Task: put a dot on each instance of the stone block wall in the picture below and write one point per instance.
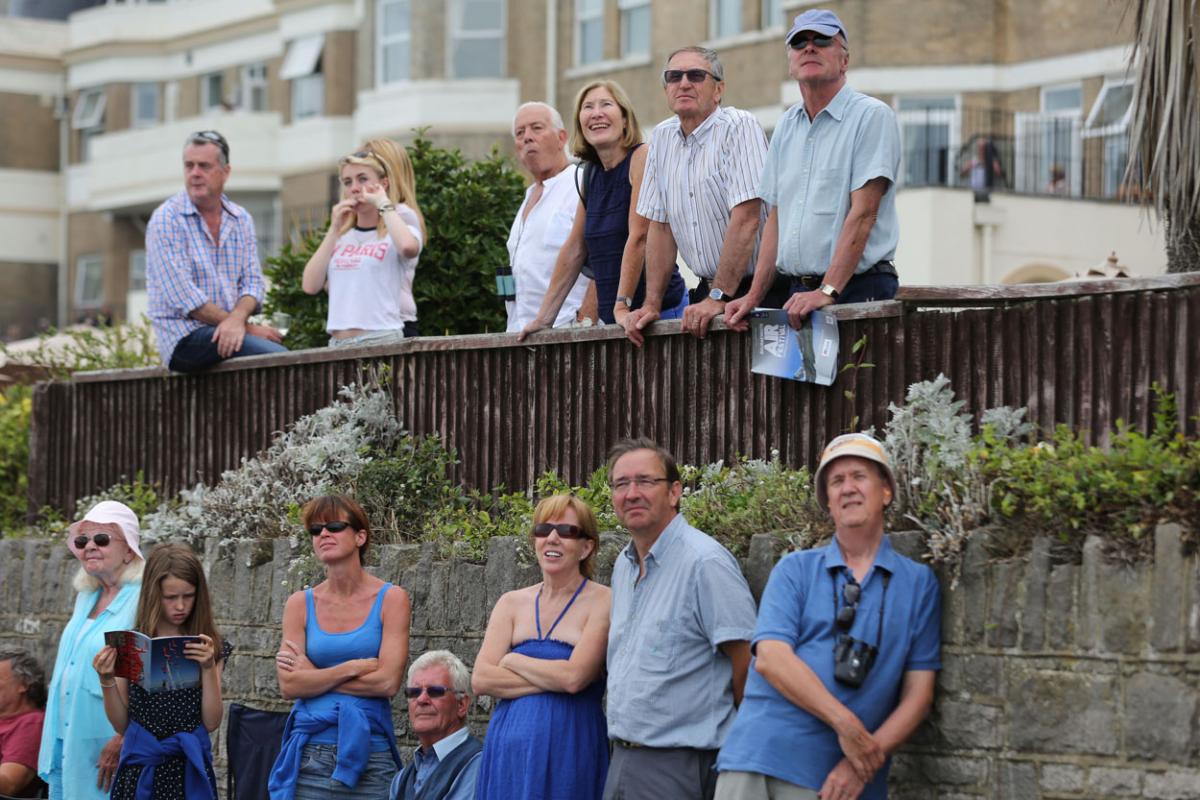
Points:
(1060, 680)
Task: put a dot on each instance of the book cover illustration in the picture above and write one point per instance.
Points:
(157, 665)
(808, 354)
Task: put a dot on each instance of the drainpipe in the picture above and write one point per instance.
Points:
(64, 132)
(552, 52)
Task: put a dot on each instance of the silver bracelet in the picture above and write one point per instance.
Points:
(386, 207)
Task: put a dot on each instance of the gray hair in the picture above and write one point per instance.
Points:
(714, 60)
(555, 118)
(28, 670)
(459, 676)
(214, 138)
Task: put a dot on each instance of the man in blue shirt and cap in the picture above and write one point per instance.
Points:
(830, 177)
(847, 647)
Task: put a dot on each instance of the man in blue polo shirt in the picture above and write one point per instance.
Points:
(847, 648)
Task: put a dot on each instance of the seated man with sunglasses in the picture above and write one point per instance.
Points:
(446, 765)
(830, 177)
(700, 193)
(203, 279)
(847, 647)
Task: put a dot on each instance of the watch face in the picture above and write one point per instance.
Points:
(717, 294)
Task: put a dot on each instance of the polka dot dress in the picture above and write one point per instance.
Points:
(163, 714)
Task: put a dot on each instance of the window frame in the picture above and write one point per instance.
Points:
(82, 264)
(250, 81)
(1090, 129)
(582, 19)
(135, 118)
(454, 35)
(714, 19)
(624, 7)
(84, 117)
(206, 92)
(384, 40)
(951, 118)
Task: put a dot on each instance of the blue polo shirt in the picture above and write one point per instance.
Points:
(813, 166)
(772, 736)
(669, 684)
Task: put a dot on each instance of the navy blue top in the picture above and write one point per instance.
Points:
(605, 230)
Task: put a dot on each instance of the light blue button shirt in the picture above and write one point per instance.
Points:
(811, 169)
(77, 728)
(668, 683)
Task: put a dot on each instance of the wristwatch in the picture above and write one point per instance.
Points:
(830, 292)
(628, 301)
(717, 294)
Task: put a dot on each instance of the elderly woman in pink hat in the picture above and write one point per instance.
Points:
(80, 749)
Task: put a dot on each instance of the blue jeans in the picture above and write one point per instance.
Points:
(677, 311)
(198, 351)
(317, 762)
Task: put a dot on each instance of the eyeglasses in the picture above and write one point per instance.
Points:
(434, 692)
(641, 482)
(336, 526)
(214, 138)
(693, 75)
(565, 530)
(101, 540)
(799, 42)
(851, 592)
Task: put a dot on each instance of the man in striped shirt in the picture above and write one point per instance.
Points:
(700, 193)
(202, 273)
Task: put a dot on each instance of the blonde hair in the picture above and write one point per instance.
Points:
(388, 160)
(580, 147)
(83, 582)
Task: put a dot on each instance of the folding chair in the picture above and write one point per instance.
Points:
(252, 741)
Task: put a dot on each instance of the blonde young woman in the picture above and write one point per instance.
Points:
(369, 255)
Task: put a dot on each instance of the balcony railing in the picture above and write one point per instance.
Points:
(1031, 153)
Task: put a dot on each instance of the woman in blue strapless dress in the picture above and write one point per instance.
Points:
(547, 739)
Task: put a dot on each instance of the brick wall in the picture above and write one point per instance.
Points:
(1062, 679)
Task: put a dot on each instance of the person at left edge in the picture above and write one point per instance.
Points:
(203, 279)
(80, 749)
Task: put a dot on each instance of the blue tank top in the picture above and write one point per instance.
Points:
(605, 230)
(326, 649)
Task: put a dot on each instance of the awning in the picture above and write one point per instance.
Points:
(302, 57)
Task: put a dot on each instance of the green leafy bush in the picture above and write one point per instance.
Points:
(16, 406)
(468, 207)
(124, 346)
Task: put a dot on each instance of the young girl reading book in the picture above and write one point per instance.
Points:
(167, 749)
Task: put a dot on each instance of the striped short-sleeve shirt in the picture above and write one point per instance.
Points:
(185, 268)
(693, 182)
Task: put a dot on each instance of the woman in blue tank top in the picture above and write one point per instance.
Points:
(608, 234)
(543, 656)
(345, 644)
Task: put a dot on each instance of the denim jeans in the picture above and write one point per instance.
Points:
(317, 762)
(198, 351)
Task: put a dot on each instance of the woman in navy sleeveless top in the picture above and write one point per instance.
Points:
(608, 235)
(345, 644)
(543, 656)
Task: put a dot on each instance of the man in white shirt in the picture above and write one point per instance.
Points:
(544, 219)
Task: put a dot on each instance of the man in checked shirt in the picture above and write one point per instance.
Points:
(202, 272)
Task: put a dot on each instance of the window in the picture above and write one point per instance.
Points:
(726, 18)
(137, 271)
(89, 281)
(635, 27)
(772, 13)
(589, 31)
(88, 119)
(254, 87)
(212, 92)
(929, 135)
(394, 60)
(1048, 156)
(476, 45)
(1108, 126)
(302, 66)
(264, 209)
(144, 100)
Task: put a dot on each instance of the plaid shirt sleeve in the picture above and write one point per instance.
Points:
(168, 267)
(250, 279)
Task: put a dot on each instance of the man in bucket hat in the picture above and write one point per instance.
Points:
(847, 647)
(830, 177)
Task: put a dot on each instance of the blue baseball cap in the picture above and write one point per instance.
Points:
(819, 20)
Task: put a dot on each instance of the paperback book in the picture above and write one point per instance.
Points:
(157, 665)
(808, 354)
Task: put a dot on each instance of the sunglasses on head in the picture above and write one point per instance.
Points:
(336, 526)
(565, 530)
(799, 42)
(101, 540)
(693, 75)
(413, 692)
(214, 138)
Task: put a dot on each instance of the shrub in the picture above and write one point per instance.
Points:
(105, 346)
(16, 406)
(468, 207)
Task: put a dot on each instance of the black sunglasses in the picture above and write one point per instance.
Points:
(851, 593)
(693, 75)
(413, 692)
(336, 526)
(799, 42)
(565, 530)
(215, 138)
(101, 540)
